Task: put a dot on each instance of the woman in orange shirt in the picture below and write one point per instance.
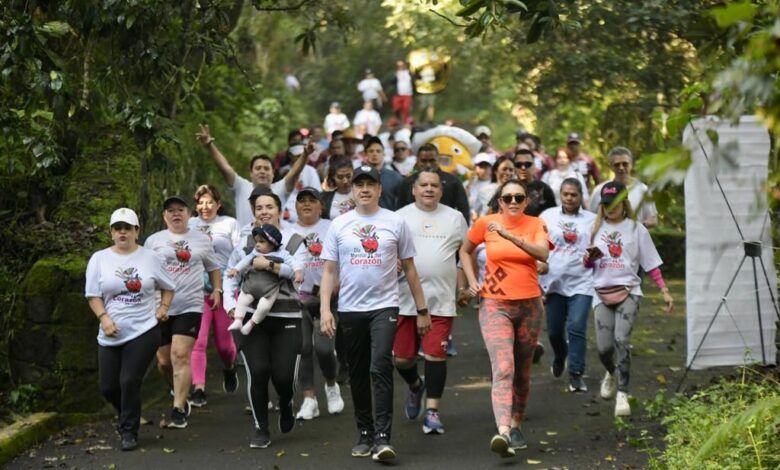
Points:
(511, 310)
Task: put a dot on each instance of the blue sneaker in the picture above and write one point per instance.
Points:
(432, 423)
(414, 400)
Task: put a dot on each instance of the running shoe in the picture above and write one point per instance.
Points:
(286, 417)
(500, 445)
(261, 440)
(558, 366)
(230, 380)
(414, 400)
(198, 398)
(622, 406)
(129, 441)
(451, 350)
(517, 440)
(187, 408)
(335, 402)
(577, 384)
(364, 445)
(178, 419)
(382, 451)
(538, 353)
(309, 409)
(431, 423)
(608, 388)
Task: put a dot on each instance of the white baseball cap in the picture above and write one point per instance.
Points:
(482, 130)
(125, 215)
(483, 157)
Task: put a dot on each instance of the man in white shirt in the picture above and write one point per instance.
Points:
(362, 250)
(621, 161)
(335, 120)
(261, 172)
(438, 232)
(367, 120)
(371, 89)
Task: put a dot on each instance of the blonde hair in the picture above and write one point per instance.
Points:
(602, 212)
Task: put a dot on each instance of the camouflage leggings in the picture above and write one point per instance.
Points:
(510, 329)
(613, 337)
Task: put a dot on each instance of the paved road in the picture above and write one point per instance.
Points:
(564, 430)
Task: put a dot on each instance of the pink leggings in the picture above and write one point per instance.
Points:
(510, 329)
(222, 339)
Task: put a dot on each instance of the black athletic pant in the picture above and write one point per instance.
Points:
(368, 337)
(121, 372)
(313, 343)
(271, 352)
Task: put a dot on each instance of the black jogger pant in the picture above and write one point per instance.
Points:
(368, 338)
(121, 372)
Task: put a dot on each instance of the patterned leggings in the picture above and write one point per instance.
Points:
(510, 329)
(613, 337)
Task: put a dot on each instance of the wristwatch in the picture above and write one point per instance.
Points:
(422, 311)
(271, 265)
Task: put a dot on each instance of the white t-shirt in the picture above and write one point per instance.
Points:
(567, 275)
(128, 285)
(342, 203)
(242, 189)
(405, 167)
(403, 83)
(478, 195)
(555, 177)
(437, 236)
(370, 88)
(309, 177)
(368, 118)
(367, 249)
(185, 257)
(222, 231)
(626, 247)
(231, 284)
(310, 257)
(335, 122)
(637, 193)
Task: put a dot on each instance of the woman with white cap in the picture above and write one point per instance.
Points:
(121, 283)
(186, 254)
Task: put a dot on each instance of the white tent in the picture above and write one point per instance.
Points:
(714, 246)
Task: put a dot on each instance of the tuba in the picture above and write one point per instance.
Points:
(430, 70)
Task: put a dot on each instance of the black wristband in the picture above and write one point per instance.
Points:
(422, 311)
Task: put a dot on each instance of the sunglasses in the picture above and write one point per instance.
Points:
(508, 198)
(524, 165)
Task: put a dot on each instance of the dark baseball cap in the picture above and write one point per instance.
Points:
(171, 199)
(365, 170)
(310, 191)
(574, 137)
(610, 192)
(270, 233)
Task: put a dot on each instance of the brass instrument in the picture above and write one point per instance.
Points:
(430, 70)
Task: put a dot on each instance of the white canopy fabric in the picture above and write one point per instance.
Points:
(714, 247)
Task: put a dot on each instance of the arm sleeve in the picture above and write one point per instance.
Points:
(292, 262)
(92, 284)
(405, 242)
(542, 233)
(649, 258)
(235, 233)
(210, 258)
(476, 234)
(243, 265)
(657, 277)
(162, 278)
(330, 249)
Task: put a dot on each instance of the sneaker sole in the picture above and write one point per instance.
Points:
(258, 446)
(500, 447)
(383, 455)
(176, 426)
(577, 390)
(361, 454)
(428, 430)
(198, 404)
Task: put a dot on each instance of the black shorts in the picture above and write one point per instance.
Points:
(185, 324)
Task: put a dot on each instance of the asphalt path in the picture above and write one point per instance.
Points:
(564, 430)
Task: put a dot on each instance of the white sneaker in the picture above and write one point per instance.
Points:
(608, 386)
(335, 402)
(622, 407)
(309, 409)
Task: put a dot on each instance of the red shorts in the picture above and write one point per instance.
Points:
(402, 104)
(407, 342)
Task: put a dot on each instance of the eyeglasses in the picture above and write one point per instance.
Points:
(621, 164)
(518, 198)
(524, 165)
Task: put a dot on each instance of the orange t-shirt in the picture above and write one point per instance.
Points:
(510, 273)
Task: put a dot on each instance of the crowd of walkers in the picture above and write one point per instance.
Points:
(357, 249)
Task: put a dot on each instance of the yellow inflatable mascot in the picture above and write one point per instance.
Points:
(456, 148)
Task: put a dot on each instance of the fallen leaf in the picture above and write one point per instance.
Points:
(544, 443)
(533, 462)
(551, 433)
(610, 458)
(168, 450)
(111, 466)
(304, 454)
(280, 453)
(661, 379)
(675, 369)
